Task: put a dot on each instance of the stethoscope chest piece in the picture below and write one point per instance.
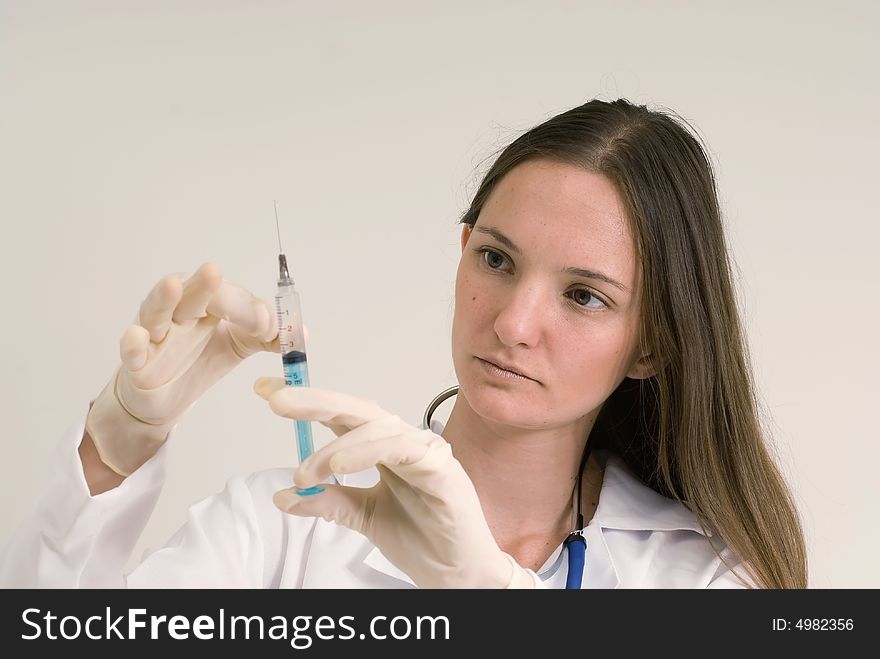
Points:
(577, 551)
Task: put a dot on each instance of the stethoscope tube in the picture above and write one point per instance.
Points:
(575, 543)
(434, 404)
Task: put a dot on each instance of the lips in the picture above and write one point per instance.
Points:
(507, 367)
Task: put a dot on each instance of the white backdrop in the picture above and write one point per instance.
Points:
(142, 138)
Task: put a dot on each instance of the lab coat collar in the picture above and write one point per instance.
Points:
(625, 504)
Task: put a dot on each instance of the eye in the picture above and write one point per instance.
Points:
(582, 296)
(491, 258)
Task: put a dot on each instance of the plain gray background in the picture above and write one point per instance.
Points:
(142, 138)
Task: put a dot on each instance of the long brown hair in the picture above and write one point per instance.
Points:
(692, 431)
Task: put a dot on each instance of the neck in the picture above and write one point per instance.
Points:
(526, 478)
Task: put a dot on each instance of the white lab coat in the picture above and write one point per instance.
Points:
(237, 538)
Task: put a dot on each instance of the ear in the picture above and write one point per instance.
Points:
(465, 234)
(644, 367)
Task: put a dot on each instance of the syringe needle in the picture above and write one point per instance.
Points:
(283, 273)
(277, 227)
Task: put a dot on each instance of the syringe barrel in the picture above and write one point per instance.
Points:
(290, 325)
(293, 357)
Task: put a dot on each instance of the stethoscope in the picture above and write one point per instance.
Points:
(575, 542)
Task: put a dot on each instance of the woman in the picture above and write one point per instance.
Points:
(604, 400)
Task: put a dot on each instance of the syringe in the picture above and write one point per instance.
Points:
(293, 350)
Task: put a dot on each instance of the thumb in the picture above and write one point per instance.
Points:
(337, 503)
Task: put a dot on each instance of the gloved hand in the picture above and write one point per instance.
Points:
(423, 514)
(187, 335)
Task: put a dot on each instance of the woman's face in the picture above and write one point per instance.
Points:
(548, 286)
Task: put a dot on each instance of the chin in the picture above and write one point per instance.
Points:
(507, 407)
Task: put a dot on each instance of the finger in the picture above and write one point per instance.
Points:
(155, 311)
(240, 307)
(266, 386)
(321, 405)
(320, 465)
(275, 344)
(337, 503)
(134, 347)
(198, 291)
(392, 452)
(420, 460)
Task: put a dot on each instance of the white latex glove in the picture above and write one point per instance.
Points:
(423, 514)
(187, 335)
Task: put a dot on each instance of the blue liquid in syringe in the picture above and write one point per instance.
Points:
(296, 374)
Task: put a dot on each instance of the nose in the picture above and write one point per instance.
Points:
(522, 315)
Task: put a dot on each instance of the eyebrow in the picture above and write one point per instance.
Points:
(580, 272)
